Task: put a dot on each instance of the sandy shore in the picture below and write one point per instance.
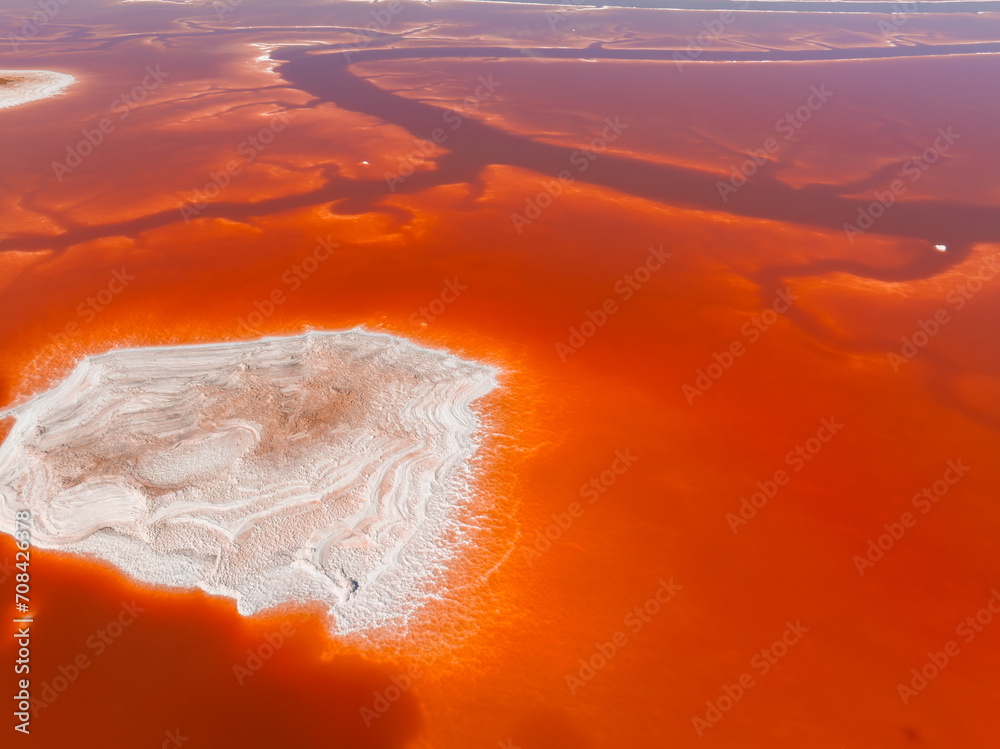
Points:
(21, 86)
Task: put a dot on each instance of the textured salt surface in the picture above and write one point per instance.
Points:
(31, 85)
(324, 467)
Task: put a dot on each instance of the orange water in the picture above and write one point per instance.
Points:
(501, 662)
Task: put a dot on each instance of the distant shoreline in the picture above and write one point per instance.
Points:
(23, 86)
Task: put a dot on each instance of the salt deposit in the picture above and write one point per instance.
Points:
(21, 86)
(324, 467)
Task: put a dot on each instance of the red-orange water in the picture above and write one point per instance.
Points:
(570, 561)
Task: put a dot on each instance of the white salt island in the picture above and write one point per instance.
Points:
(325, 467)
(21, 86)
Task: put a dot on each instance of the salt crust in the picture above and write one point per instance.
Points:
(325, 467)
(31, 85)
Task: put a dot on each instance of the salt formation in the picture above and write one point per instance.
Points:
(22, 86)
(323, 467)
